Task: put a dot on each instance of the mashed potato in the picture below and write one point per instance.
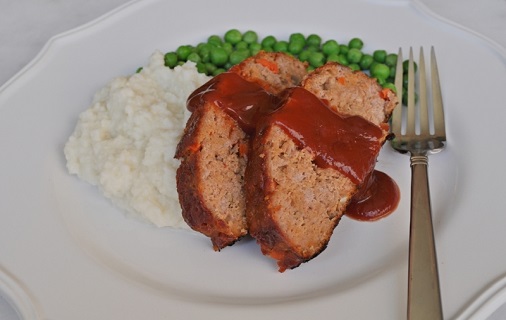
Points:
(125, 142)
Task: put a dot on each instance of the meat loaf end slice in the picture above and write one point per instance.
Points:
(351, 92)
(210, 177)
(274, 71)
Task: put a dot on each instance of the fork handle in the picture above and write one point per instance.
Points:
(424, 297)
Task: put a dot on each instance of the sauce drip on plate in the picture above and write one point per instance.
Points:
(376, 199)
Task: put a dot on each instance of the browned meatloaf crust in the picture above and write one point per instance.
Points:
(292, 204)
(209, 179)
(213, 154)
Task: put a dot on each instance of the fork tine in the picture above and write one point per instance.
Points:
(424, 295)
(424, 113)
(397, 113)
(437, 99)
(411, 124)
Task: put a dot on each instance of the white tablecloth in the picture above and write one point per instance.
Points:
(26, 25)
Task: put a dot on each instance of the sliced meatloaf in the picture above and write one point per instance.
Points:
(351, 92)
(293, 205)
(296, 192)
(274, 71)
(214, 147)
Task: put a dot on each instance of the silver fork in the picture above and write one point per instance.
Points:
(413, 134)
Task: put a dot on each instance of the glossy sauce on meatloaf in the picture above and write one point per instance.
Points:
(349, 145)
(243, 100)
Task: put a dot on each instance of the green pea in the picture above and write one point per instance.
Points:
(341, 59)
(254, 48)
(391, 86)
(200, 45)
(201, 67)
(214, 40)
(203, 47)
(392, 72)
(313, 48)
(354, 66)
(219, 56)
(354, 55)
(366, 61)
(233, 36)
(183, 52)
(372, 65)
(405, 96)
(281, 46)
(380, 56)
(380, 81)
(304, 55)
(268, 49)
(297, 37)
(333, 57)
(356, 43)
(380, 71)
(228, 47)
(138, 70)
(314, 40)
(343, 49)
(316, 59)
(391, 60)
(210, 68)
(170, 59)
(242, 45)
(238, 56)
(295, 47)
(218, 71)
(250, 37)
(268, 42)
(206, 57)
(330, 47)
(204, 52)
(194, 57)
(405, 65)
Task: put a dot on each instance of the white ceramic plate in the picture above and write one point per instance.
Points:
(68, 253)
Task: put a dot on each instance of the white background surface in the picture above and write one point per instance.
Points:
(26, 25)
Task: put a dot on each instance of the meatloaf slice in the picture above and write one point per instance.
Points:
(351, 92)
(274, 71)
(210, 177)
(213, 148)
(293, 205)
(293, 201)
